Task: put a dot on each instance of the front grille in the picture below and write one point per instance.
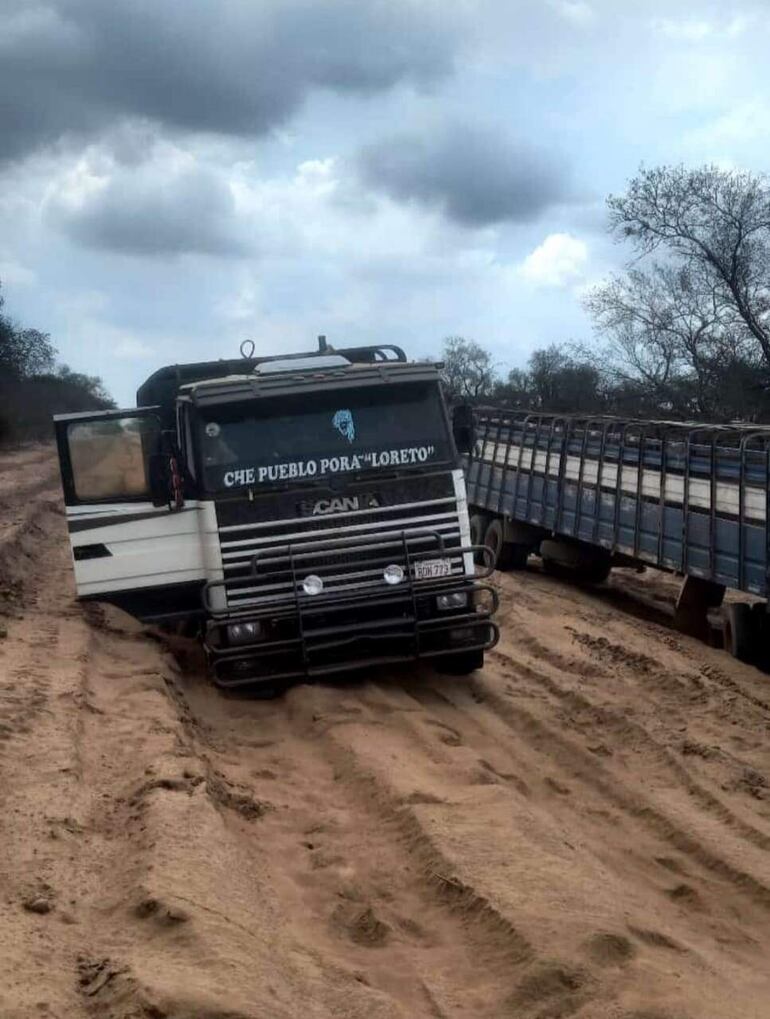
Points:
(264, 560)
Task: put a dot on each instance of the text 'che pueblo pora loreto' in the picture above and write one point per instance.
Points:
(322, 466)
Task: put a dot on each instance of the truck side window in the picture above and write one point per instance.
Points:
(109, 458)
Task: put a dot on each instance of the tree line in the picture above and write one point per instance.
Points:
(34, 387)
(683, 333)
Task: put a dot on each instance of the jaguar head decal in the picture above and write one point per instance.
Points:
(343, 422)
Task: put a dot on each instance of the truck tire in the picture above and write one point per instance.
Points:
(507, 555)
(462, 663)
(740, 631)
(478, 524)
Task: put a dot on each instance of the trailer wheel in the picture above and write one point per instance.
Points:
(740, 631)
(507, 555)
(462, 663)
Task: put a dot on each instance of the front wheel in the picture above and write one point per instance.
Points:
(478, 527)
(462, 663)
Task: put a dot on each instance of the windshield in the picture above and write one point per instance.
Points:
(308, 436)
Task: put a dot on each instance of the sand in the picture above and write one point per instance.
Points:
(582, 829)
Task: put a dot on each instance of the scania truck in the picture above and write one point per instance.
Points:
(305, 514)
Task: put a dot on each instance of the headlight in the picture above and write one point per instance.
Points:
(393, 574)
(312, 584)
(455, 600)
(244, 633)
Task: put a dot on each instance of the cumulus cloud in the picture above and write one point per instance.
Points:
(167, 204)
(559, 261)
(476, 175)
(233, 67)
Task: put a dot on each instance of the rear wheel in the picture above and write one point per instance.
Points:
(740, 631)
(462, 663)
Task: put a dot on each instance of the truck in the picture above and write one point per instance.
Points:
(304, 514)
(591, 493)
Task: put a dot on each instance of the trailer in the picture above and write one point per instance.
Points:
(588, 494)
(304, 514)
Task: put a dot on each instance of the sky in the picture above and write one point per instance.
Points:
(177, 176)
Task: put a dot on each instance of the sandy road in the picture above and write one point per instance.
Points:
(583, 829)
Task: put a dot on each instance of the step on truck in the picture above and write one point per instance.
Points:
(587, 494)
(305, 514)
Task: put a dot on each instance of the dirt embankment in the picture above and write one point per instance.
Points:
(581, 830)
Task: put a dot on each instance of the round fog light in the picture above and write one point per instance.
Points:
(312, 584)
(393, 574)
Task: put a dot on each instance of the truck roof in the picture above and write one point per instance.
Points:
(235, 388)
(232, 379)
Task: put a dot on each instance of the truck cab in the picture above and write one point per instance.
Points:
(306, 514)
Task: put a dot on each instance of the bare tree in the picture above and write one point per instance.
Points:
(715, 224)
(469, 373)
(683, 326)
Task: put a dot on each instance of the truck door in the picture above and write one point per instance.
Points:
(128, 526)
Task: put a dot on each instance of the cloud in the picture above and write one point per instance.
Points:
(577, 12)
(559, 261)
(743, 123)
(233, 67)
(13, 273)
(476, 175)
(696, 30)
(167, 204)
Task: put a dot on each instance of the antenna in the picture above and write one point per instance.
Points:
(250, 346)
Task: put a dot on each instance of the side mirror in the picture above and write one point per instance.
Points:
(165, 481)
(463, 428)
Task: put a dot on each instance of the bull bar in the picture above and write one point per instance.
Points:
(353, 626)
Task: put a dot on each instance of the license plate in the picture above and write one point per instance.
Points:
(428, 569)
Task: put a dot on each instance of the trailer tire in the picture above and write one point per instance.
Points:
(507, 555)
(740, 631)
(462, 663)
